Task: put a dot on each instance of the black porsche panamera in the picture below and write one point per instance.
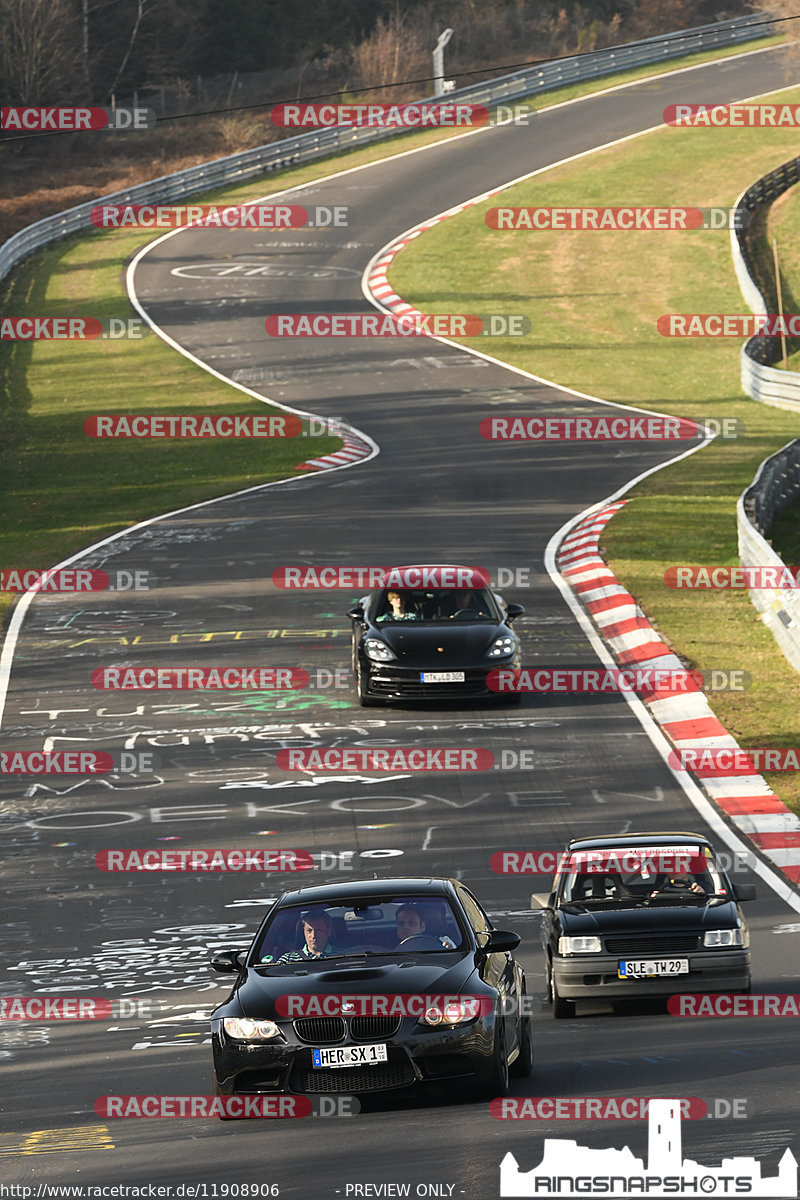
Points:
(335, 995)
(438, 640)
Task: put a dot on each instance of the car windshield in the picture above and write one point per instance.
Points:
(436, 605)
(642, 874)
(396, 925)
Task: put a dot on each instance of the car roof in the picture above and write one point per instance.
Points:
(334, 893)
(620, 841)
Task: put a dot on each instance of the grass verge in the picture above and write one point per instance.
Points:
(63, 491)
(593, 319)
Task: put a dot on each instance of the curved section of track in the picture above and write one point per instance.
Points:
(437, 491)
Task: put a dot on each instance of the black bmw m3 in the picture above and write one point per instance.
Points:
(371, 986)
(437, 633)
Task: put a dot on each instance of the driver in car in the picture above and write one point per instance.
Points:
(675, 884)
(411, 923)
(318, 932)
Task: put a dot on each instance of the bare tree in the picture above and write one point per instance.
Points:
(39, 51)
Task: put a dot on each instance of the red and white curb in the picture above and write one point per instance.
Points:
(354, 448)
(687, 720)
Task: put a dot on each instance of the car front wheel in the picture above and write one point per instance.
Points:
(496, 1082)
(561, 1008)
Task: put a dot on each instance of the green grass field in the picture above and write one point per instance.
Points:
(593, 299)
(63, 491)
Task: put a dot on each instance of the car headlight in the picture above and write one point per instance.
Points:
(724, 939)
(377, 650)
(244, 1029)
(454, 1013)
(579, 945)
(504, 646)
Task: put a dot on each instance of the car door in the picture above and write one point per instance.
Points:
(496, 969)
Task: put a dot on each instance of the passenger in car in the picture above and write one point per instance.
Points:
(395, 609)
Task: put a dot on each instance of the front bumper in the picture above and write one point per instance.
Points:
(596, 975)
(388, 681)
(415, 1055)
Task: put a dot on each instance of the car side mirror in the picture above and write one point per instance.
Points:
(543, 900)
(356, 613)
(229, 962)
(745, 891)
(500, 940)
(514, 610)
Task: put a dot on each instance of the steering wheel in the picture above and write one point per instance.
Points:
(421, 940)
(463, 612)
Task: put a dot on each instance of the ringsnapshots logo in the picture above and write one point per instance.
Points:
(642, 217)
(215, 216)
(568, 1169)
(69, 119)
(387, 325)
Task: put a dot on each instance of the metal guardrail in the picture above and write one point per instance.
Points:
(250, 164)
(776, 485)
(760, 379)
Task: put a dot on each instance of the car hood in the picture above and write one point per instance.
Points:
(258, 992)
(439, 643)
(665, 918)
